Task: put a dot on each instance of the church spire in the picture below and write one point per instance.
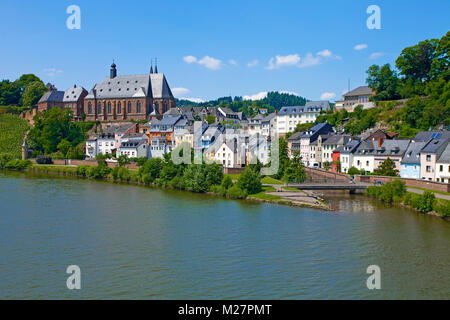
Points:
(151, 66)
(156, 65)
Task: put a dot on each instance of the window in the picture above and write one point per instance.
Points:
(138, 107)
(99, 107)
(89, 107)
(428, 157)
(119, 107)
(428, 168)
(129, 107)
(109, 107)
(441, 168)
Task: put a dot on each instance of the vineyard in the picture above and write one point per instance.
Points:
(12, 129)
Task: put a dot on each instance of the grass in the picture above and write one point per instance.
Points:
(234, 176)
(293, 189)
(263, 196)
(439, 192)
(270, 180)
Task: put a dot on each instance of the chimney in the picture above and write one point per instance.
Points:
(380, 142)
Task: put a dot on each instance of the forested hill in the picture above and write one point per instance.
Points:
(274, 101)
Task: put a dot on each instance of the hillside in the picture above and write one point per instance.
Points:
(12, 130)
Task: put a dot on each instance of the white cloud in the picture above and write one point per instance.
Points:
(210, 62)
(253, 63)
(179, 91)
(257, 96)
(233, 62)
(261, 95)
(324, 53)
(328, 96)
(189, 59)
(361, 46)
(283, 61)
(309, 61)
(52, 72)
(197, 100)
(376, 55)
(295, 60)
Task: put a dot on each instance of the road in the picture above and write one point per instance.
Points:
(438, 195)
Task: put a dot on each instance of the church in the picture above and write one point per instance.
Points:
(130, 97)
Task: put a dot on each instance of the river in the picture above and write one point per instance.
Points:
(137, 242)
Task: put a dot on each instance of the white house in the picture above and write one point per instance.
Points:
(102, 143)
(364, 156)
(289, 117)
(133, 148)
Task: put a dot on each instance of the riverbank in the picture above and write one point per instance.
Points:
(268, 194)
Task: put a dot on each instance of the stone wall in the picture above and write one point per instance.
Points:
(319, 175)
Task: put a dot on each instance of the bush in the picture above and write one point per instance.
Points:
(177, 183)
(41, 159)
(98, 172)
(82, 170)
(4, 159)
(18, 164)
(390, 192)
(220, 190)
(426, 203)
(235, 192)
(442, 207)
(353, 171)
(250, 181)
(227, 182)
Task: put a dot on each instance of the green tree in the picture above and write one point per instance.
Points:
(33, 92)
(415, 62)
(384, 82)
(294, 171)
(387, 168)
(250, 181)
(441, 63)
(210, 119)
(64, 146)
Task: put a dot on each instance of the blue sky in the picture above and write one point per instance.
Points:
(209, 49)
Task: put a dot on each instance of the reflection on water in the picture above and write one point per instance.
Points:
(136, 242)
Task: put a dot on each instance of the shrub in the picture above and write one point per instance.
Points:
(250, 181)
(227, 182)
(442, 207)
(352, 171)
(82, 170)
(41, 159)
(390, 192)
(221, 190)
(18, 164)
(426, 203)
(98, 172)
(4, 159)
(235, 192)
(177, 183)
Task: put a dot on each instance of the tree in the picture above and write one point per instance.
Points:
(282, 157)
(384, 82)
(151, 169)
(294, 171)
(415, 62)
(441, 63)
(250, 181)
(64, 146)
(210, 119)
(387, 168)
(123, 160)
(326, 165)
(33, 92)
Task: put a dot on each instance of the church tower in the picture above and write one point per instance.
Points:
(24, 149)
(113, 71)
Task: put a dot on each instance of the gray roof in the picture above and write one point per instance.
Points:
(141, 85)
(445, 155)
(291, 110)
(350, 146)
(52, 96)
(73, 94)
(132, 143)
(269, 117)
(337, 139)
(412, 154)
(435, 146)
(360, 91)
(388, 148)
(427, 135)
(322, 105)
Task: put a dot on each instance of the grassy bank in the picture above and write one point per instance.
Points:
(395, 193)
(124, 175)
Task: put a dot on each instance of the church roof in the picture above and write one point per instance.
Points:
(132, 86)
(52, 96)
(73, 94)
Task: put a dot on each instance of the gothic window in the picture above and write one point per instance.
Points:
(119, 107)
(99, 107)
(109, 107)
(89, 107)
(138, 107)
(129, 107)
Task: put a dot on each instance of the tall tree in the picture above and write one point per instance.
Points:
(384, 81)
(33, 92)
(415, 62)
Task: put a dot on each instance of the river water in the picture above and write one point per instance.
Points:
(137, 242)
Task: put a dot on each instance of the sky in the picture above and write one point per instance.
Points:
(211, 49)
